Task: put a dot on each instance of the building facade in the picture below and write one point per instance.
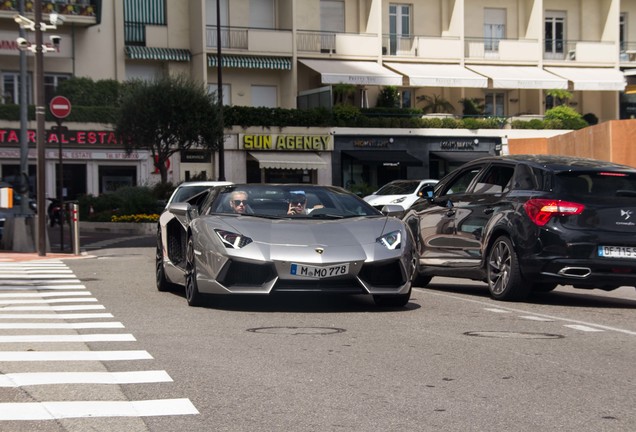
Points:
(508, 56)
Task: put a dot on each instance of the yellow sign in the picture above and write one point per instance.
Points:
(287, 142)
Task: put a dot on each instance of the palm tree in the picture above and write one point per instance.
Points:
(435, 104)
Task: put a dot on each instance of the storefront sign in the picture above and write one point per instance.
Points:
(196, 156)
(461, 145)
(286, 142)
(12, 136)
(372, 143)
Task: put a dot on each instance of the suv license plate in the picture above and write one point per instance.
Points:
(319, 272)
(617, 252)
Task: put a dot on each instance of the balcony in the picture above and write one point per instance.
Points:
(504, 50)
(427, 47)
(78, 12)
(558, 50)
(253, 40)
(345, 44)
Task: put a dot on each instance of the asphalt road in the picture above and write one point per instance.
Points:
(452, 360)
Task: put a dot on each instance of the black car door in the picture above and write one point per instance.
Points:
(433, 223)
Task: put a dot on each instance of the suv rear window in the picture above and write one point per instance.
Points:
(597, 184)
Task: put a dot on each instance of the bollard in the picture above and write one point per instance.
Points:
(75, 228)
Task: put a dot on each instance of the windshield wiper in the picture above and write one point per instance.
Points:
(626, 193)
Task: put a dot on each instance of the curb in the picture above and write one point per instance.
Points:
(143, 228)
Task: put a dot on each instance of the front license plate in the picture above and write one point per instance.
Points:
(617, 252)
(319, 272)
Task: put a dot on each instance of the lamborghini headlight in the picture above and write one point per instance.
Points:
(232, 240)
(392, 240)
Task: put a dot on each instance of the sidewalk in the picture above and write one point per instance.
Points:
(34, 256)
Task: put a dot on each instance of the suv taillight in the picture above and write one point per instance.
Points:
(541, 211)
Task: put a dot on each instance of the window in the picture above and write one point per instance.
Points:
(264, 96)
(50, 85)
(554, 34)
(332, 13)
(494, 28)
(494, 104)
(11, 88)
(399, 28)
(226, 90)
(622, 31)
(495, 180)
(210, 19)
(145, 72)
(460, 183)
(262, 14)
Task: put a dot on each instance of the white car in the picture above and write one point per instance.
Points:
(398, 192)
(189, 189)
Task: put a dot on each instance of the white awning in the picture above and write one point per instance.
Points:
(288, 160)
(439, 75)
(521, 77)
(591, 78)
(353, 72)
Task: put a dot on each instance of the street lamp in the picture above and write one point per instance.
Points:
(39, 49)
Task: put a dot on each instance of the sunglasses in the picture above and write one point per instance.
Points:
(239, 202)
(297, 201)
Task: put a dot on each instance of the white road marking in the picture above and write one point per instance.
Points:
(46, 294)
(56, 316)
(116, 337)
(42, 378)
(79, 409)
(33, 287)
(57, 326)
(48, 301)
(20, 356)
(30, 276)
(52, 308)
(496, 310)
(33, 271)
(583, 328)
(536, 318)
(520, 311)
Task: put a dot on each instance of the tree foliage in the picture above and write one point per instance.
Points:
(435, 104)
(168, 115)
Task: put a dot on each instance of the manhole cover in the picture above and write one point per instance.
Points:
(297, 330)
(513, 335)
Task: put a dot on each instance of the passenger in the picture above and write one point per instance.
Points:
(297, 202)
(238, 202)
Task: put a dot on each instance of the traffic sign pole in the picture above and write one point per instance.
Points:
(60, 108)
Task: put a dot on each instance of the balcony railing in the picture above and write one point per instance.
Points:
(501, 49)
(231, 37)
(315, 41)
(580, 51)
(64, 7)
(399, 45)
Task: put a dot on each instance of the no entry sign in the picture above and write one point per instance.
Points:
(60, 107)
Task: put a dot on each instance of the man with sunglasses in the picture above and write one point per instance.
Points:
(238, 202)
(297, 202)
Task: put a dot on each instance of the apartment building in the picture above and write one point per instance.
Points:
(507, 55)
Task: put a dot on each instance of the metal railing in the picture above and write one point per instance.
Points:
(315, 41)
(231, 37)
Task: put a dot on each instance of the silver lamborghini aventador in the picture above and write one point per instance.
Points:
(266, 238)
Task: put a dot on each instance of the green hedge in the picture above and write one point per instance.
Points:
(341, 116)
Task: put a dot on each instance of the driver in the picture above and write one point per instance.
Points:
(297, 203)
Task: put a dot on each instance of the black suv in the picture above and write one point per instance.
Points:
(529, 222)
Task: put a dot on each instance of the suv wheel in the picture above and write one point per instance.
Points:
(505, 281)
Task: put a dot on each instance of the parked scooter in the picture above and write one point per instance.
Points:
(54, 212)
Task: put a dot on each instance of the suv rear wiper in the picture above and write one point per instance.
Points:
(626, 193)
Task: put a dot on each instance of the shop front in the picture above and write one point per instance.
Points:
(286, 158)
(91, 162)
(364, 163)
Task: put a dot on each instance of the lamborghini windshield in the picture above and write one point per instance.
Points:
(304, 201)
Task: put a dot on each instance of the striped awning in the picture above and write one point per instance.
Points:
(251, 62)
(163, 54)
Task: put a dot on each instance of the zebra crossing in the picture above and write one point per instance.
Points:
(43, 307)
